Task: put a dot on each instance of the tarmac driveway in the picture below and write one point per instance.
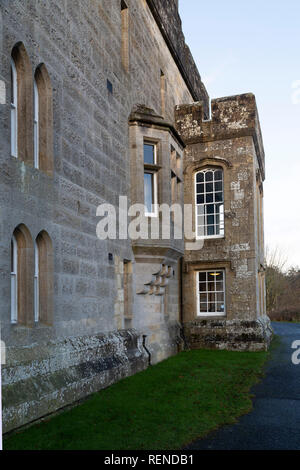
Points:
(274, 422)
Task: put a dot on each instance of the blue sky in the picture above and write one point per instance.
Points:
(254, 47)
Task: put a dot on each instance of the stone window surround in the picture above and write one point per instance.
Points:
(190, 173)
(221, 235)
(210, 314)
(34, 121)
(25, 103)
(31, 278)
(192, 268)
(162, 136)
(154, 170)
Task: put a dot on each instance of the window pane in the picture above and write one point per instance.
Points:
(210, 219)
(209, 176)
(200, 178)
(219, 186)
(200, 188)
(219, 275)
(12, 257)
(218, 175)
(209, 198)
(209, 187)
(203, 308)
(211, 231)
(148, 191)
(220, 308)
(200, 199)
(203, 298)
(12, 85)
(210, 209)
(219, 286)
(202, 277)
(149, 154)
(202, 286)
(219, 197)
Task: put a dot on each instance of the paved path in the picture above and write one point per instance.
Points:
(274, 422)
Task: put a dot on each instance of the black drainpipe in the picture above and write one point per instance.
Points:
(146, 349)
(181, 304)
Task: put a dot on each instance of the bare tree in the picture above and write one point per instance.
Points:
(275, 279)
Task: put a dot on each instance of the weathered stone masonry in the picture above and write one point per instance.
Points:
(230, 140)
(111, 75)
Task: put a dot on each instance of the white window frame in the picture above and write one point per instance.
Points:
(210, 314)
(36, 125)
(14, 111)
(200, 213)
(36, 282)
(14, 282)
(154, 172)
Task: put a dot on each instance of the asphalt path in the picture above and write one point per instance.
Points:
(274, 422)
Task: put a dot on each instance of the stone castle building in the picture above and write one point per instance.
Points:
(102, 99)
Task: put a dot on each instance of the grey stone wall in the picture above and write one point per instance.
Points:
(80, 44)
(168, 19)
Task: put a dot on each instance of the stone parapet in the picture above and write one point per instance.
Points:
(231, 117)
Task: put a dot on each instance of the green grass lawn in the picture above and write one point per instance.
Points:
(164, 407)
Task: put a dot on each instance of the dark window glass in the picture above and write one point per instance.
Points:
(219, 186)
(209, 187)
(12, 85)
(210, 220)
(209, 176)
(200, 188)
(209, 198)
(200, 178)
(220, 297)
(12, 257)
(109, 86)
